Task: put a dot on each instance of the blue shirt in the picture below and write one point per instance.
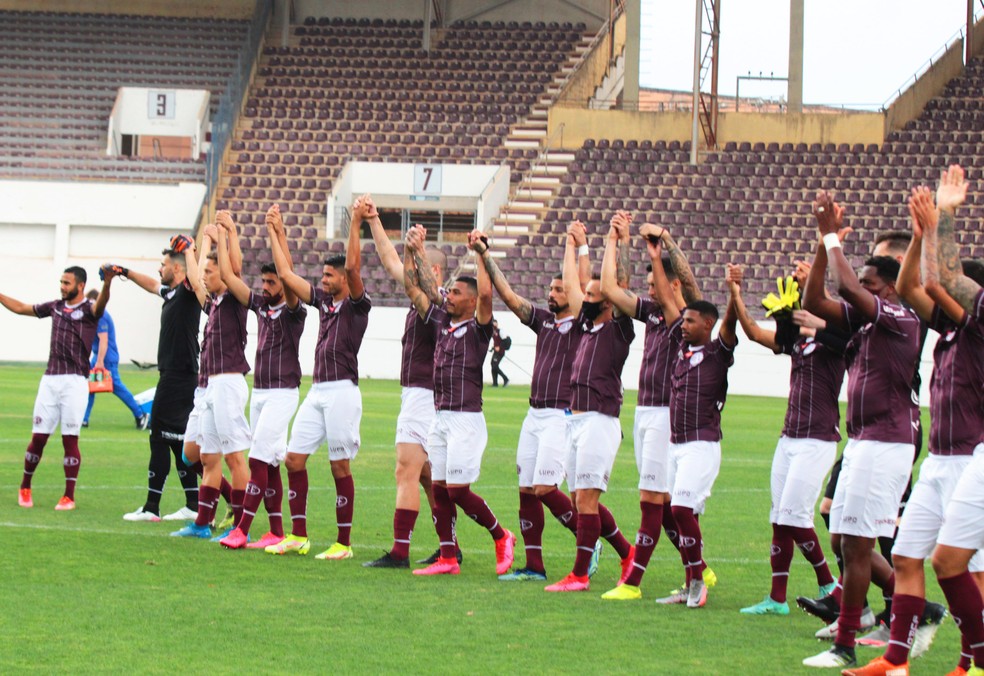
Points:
(112, 354)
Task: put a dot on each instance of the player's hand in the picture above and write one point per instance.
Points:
(622, 220)
(922, 210)
(801, 272)
(223, 219)
(478, 242)
(830, 215)
(370, 206)
(360, 210)
(109, 270)
(212, 232)
(274, 221)
(416, 235)
(578, 232)
(952, 190)
(808, 320)
(182, 243)
(651, 232)
(735, 274)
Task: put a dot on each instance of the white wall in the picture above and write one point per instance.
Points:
(187, 116)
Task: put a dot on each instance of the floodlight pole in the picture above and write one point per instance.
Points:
(794, 86)
(969, 40)
(698, 39)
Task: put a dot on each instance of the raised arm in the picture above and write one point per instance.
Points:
(751, 328)
(688, 285)
(353, 257)
(572, 282)
(653, 234)
(237, 287)
(99, 307)
(275, 230)
(583, 258)
(727, 332)
(520, 307)
(223, 219)
(16, 306)
(384, 247)
(908, 284)
(195, 266)
(815, 299)
(483, 311)
(623, 264)
(951, 193)
(145, 282)
(830, 218)
(292, 282)
(411, 280)
(611, 287)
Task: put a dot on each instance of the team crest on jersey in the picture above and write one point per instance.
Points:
(809, 348)
(696, 358)
(273, 314)
(76, 315)
(950, 335)
(656, 320)
(564, 328)
(459, 332)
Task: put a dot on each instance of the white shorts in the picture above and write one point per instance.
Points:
(542, 449)
(193, 426)
(594, 441)
(331, 412)
(651, 434)
(416, 416)
(963, 522)
(223, 426)
(694, 466)
(455, 446)
(872, 480)
(799, 467)
(61, 400)
(270, 412)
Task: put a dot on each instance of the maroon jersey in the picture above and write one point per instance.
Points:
(956, 389)
(417, 364)
(657, 355)
(699, 388)
(556, 343)
(815, 380)
(458, 357)
(279, 334)
(73, 328)
(881, 358)
(340, 333)
(596, 379)
(224, 345)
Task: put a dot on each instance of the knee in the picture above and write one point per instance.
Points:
(946, 564)
(857, 549)
(295, 463)
(340, 469)
(906, 567)
(540, 491)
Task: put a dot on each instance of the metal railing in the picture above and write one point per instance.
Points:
(230, 102)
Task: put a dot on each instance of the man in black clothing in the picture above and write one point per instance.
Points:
(500, 344)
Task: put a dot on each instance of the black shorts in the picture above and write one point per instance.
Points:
(173, 401)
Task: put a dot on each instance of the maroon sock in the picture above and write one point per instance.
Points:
(780, 558)
(238, 497)
(531, 526)
(610, 531)
(848, 624)
(474, 506)
(444, 521)
(297, 491)
(838, 592)
(690, 541)
(403, 523)
(273, 500)
(72, 463)
(906, 612)
(32, 457)
(588, 531)
(344, 508)
(965, 654)
(646, 539)
(208, 498)
(258, 477)
(560, 506)
(672, 531)
(225, 490)
(809, 545)
(964, 598)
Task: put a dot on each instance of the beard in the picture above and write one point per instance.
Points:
(555, 308)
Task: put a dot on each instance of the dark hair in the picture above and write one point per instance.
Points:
(705, 308)
(92, 294)
(974, 269)
(898, 240)
(268, 269)
(337, 261)
(886, 267)
(470, 282)
(595, 277)
(667, 268)
(213, 256)
(80, 276)
(176, 257)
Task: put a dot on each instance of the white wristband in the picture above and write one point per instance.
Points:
(831, 241)
(582, 250)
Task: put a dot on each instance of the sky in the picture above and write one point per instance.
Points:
(856, 52)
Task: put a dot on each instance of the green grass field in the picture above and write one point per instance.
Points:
(85, 591)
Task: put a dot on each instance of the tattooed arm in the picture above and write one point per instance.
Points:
(688, 285)
(411, 279)
(950, 194)
(520, 307)
(425, 276)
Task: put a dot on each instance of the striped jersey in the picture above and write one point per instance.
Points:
(657, 355)
(459, 354)
(73, 328)
(224, 345)
(699, 388)
(279, 334)
(342, 327)
(815, 379)
(596, 379)
(556, 344)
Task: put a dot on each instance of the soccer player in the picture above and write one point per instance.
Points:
(177, 363)
(808, 443)
(416, 398)
(223, 428)
(457, 438)
(882, 415)
(332, 409)
(542, 451)
(651, 429)
(699, 389)
(106, 357)
(63, 389)
(280, 318)
(594, 431)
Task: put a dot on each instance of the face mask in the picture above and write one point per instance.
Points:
(591, 310)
